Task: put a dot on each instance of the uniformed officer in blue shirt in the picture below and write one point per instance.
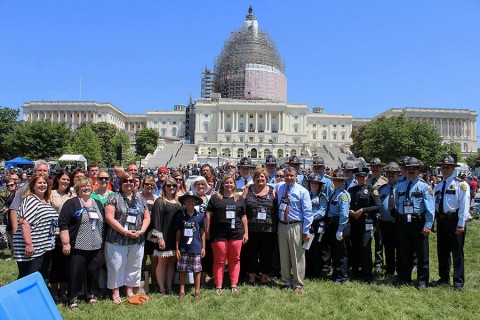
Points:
(313, 255)
(403, 168)
(271, 167)
(245, 168)
(338, 228)
(318, 166)
(452, 205)
(388, 227)
(415, 206)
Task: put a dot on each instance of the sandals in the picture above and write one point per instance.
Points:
(218, 290)
(234, 290)
(73, 306)
(181, 295)
(117, 300)
(91, 299)
(197, 296)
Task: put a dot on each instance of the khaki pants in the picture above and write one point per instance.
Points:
(292, 256)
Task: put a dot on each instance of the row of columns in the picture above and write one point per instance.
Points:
(235, 116)
(461, 128)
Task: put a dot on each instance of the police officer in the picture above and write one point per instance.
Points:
(415, 206)
(452, 205)
(388, 227)
(245, 168)
(376, 180)
(348, 171)
(318, 166)
(364, 206)
(338, 229)
(295, 162)
(403, 168)
(313, 268)
(271, 166)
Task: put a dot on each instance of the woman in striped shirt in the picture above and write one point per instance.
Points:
(34, 238)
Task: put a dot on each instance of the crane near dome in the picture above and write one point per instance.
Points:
(249, 66)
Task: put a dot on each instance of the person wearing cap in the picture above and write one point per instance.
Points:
(348, 172)
(190, 241)
(270, 166)
(452, 205)
(295, 218)
(415, 205)
(313, 268)
(376, 180)
(338, 229)
(245, 169)
(162, 175)
(364, 206)
(318, 166)
(388, 227)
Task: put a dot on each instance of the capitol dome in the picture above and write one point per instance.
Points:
(249, 66)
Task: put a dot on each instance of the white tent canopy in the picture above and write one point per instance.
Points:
(75, 158)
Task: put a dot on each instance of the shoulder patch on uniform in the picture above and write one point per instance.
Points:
(344, 197)
(430, 190)
(463, 186)
(458, 179)
(375, 192)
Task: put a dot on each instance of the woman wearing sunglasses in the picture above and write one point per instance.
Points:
(127, 215)
(181, 187)
(102, 193)
(164, 213)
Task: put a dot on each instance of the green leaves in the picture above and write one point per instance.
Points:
(87, 143)
(146, 141)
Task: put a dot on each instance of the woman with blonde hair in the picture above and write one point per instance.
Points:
(164, 212)
(182, 188)
(34, 238)
(227, 228)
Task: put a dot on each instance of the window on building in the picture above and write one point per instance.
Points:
(205, 127)
(250, 116)
(314, 125)
(295, 117)
(334, 125)
(241, 116)
(324, 135)
(174, 122)
(260, 116)
(343, 135)
(228, 115)
(314, 135)
(227, 138)
(206, 115)
(163, 122)
(295, 128)
(334, 136)
(163, 132)
(242, 139)
(174, 132)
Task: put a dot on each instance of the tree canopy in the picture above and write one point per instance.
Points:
(87, 144)
(146, 141)
(105, 132)
(391, 138)
(8, 122)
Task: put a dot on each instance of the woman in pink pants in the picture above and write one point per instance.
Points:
(227, 227)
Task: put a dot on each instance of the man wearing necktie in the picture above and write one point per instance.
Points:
(416, 211)
(388, 227)
(245, 168)
(452, 205)
(295, 218)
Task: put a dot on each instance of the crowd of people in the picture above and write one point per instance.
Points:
(95, 229)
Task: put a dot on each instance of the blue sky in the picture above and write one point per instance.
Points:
(357, 57)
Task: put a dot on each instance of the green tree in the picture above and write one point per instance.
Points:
(146, 141)
(453, 149)
(123, 138)
(8, 122)
(87, 144)
(391, 138)
(39, 139)
(474, 160)
(105, 132)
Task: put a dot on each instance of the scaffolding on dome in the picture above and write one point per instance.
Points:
(249, 66)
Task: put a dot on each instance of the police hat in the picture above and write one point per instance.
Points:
(447, 160)
(349, 166)
(361, 172)
(270, 159)
(294, 160)
(338, 175)
(376, 162)
(404, 160)
(315, 177)
(392, 166)
(246, 162)
(318, 161)
(412, 162)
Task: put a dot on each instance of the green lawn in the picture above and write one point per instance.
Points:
(320, 299)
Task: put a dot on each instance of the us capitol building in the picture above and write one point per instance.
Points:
(243, 111)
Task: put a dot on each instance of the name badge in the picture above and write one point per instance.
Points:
(368, 226)
(261, 214)
(188, 232)
(232, 225)
(230, 212)
(131, 211)
(407, 207)
(283, 206)
(131, 219)
(93, 214)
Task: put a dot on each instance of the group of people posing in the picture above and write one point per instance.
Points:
(83, 225)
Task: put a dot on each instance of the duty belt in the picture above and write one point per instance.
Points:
(332, 219)
(447, 216)
(413, 217)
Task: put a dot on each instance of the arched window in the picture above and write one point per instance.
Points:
(205, 126)
(213, 152)
(295, 128)
(314, 135)
(240, 152)
(279, 153)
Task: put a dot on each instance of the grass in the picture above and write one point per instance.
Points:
(321, 299)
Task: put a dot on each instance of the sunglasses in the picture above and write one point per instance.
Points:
(162, 173)
(170, 186)
(279, 176)
(10, 185)
(148, 184)
(103, 178)
(128, 181)
(230, 167)
(179, 180)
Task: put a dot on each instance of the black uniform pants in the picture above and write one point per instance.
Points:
(338, 251)
(314, 266)
(389, 233)
(379, 245)
(412, 241)
(450, 244)
(361, 251)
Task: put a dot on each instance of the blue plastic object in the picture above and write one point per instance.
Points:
(27, 298)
